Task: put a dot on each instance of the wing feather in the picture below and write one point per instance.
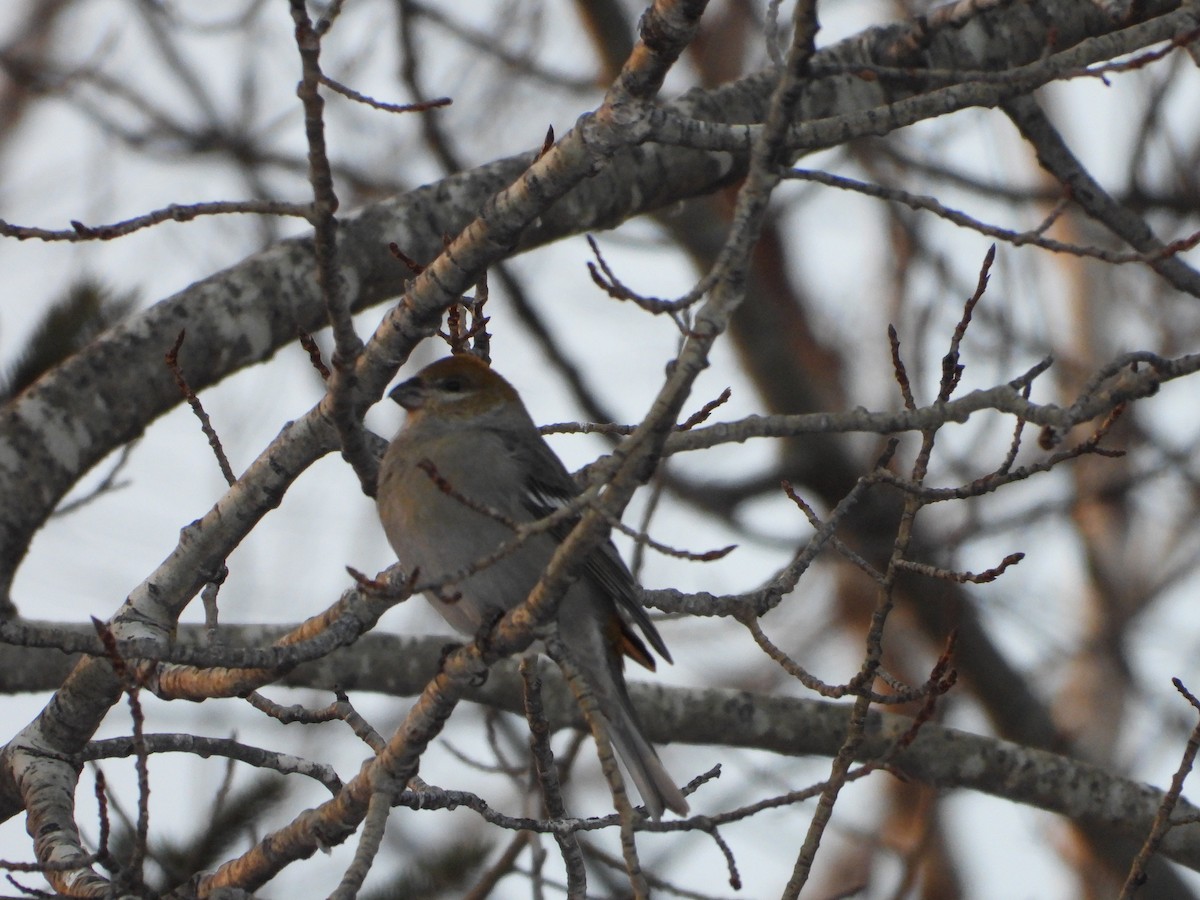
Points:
(550, 487)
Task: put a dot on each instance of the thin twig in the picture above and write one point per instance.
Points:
(354, 95)
(172, 359)
(176, 212)
(1162, 820)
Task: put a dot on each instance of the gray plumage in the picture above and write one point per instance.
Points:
(469, 460)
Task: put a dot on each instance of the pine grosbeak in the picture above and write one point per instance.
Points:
(468, 464)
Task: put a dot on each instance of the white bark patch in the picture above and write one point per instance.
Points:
(63, 437)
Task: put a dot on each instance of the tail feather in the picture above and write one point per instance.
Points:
(591, 643)
(658, 790)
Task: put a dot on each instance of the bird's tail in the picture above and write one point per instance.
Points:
(586, 632)
(606, 683)
(657, 788)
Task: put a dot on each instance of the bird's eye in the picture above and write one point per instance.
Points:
(453, 385)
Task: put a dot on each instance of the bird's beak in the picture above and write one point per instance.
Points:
(408, 394)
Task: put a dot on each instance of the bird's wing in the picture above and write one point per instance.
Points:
(549, 487)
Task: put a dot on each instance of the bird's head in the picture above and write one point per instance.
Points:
(460, 386)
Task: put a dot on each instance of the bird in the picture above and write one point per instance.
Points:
(468, 465)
